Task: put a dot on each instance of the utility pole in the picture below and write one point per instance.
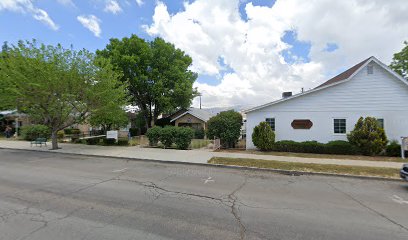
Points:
(199, 94)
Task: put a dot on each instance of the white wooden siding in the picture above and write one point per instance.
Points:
(380, 95)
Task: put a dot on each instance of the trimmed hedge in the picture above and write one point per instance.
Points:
(333, 147)
(393, 149)
(169, 135)
(31, 132)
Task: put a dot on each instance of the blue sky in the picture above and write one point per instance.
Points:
(244, 51)
(21, 26)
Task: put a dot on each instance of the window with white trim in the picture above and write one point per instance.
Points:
(339, 125)
(271, 122)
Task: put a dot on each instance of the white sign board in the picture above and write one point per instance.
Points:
(112, 134)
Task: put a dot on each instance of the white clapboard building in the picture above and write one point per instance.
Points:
(330, 111)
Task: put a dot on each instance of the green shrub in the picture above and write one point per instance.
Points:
(333, 147)
(93, 141)
(393, 149)
(263, 137)
(133, 131)
(312, 147)
(183, 137)
(286, 146)
(341, 147)
(153, 134)
(368, 136)
(60, 135)
(31, 132)
(167, 136)
(123, 142)
(199, 133)
(70, 131)
(109, 141)
(226, 126)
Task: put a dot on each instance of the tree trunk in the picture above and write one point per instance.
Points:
(54, 139)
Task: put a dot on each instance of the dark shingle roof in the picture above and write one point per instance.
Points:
(344, 75)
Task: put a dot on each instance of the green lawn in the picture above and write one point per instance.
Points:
(308, 167)
(315, 155)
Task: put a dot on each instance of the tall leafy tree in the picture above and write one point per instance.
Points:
(226, 126)
(58, 87)
(157, 74)
(400, 61)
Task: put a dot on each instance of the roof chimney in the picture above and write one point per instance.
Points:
(286, 94)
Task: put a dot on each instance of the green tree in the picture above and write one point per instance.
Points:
(109, 117)
(157, 74)
(57, 87)
(226, 126)
(368, 136)
(263, 137)
(400, 62)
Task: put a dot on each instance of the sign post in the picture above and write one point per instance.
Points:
(404, 146)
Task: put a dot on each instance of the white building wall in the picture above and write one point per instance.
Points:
(379, 95)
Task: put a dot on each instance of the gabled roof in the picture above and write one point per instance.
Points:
(196, 112)
(341, 78)
(344, 75)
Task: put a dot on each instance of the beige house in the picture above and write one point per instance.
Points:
(193, 117)
(13, 119)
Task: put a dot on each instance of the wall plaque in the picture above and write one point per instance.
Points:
(302, 124)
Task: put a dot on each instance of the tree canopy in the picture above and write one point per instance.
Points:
(400, 61)
(55, 86)
(226, 126)
(157, 74)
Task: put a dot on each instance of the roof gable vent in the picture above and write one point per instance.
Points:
(370, 69)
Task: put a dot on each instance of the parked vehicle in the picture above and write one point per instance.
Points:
(404, 172)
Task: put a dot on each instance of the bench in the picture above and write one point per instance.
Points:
(39, 141)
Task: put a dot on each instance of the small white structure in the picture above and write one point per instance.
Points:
(330, 111)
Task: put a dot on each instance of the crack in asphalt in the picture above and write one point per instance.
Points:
(235, 209)
(368, 207)
(231, 201)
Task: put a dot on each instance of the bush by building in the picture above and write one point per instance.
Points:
(368, 136)
(70, 131)
(333, 147)
(31, 132)
(199, 133)
(153, 134)
(226, 126)
(183, 137)
(167, 136)
(393, 149)
(263, 137)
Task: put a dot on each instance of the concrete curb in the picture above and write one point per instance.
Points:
(236, 167)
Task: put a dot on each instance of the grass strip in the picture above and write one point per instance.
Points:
(324, 156)
(308, 167)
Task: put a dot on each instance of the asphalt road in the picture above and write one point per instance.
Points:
(48, 196)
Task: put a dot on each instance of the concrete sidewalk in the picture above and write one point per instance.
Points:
(187, 156)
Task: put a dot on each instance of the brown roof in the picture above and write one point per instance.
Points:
(344, 75)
